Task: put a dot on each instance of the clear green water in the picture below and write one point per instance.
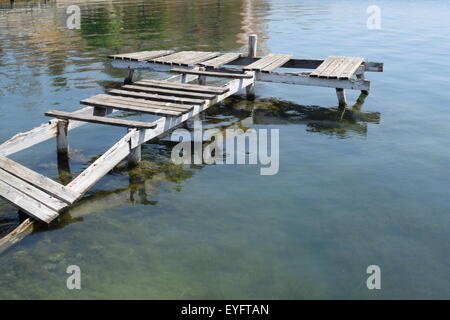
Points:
(369, 189)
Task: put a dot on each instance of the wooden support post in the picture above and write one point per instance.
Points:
(62, 149)
(360, 76)
(134, 157)
(62, 143)
(202, 79)
(341, 97)
(129, 78)
(252, 46)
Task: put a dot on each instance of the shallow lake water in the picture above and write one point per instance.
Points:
(366, 188)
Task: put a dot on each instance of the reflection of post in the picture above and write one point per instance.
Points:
(129, 78)
(252, 45)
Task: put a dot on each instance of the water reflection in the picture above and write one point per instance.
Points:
(157, 169)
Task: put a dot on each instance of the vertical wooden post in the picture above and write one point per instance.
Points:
(134, 157)
(252, 46)
(202, 79)
(62, 149)
(341, 97)
(62, 143)
(129, 78)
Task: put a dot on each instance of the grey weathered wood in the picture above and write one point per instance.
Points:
(335, 67)
(33, 192)
(172, 58)
(141, 56)
(155, 98)
(135, 156)
(103, 164)
(135, 105)
(181, 86)
(252, 45)
(221, 60)
(51, 187)
(341, 97)
(27, 204)
(21, 231)
(62, 142)
(280, 61)
(353, 63)
(306, 80)
(174, 93)
(213, 74)
(200, 57)
(100, 120)
(269, 63)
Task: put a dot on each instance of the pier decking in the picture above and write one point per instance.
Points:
(174, 100)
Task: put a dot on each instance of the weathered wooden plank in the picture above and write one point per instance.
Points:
(33, 192)
(214, 74)
(29, 205)
(100, 120)
(334, 69)
(21, 231)
(175, 93)
(51, 187)
(323, 66)
(221, 60)
(261, 63)
(281, 60)
(306, 80)
(155, 98)
(103, 165)
(172, 57)
(136, 105)
(269, 62)
(142, 55)
(352, 65)
(199, 58)
(181, 86)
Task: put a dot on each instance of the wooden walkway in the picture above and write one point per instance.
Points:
(173, 101)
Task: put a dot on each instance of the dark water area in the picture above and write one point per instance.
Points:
(369, 186)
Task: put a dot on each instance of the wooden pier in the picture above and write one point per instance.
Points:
(173, 100)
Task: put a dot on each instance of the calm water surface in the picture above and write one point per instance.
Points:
(371, 188)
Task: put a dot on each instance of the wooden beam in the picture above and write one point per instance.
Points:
(299, 79)
(62, 143)
(33, 192)
(29, 205)
(100, 120)
(214, 74)
(21, 231)
(181, 86)
(103, 165)
(54, 188)
(341, 97)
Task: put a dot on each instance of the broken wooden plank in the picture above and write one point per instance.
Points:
(35, 193)
(100, 120)
(213, 74)
(221, 60)
(51, 187)
(21, 231)
(27, 204)
(175, 93)
(155, 98)
(181, 86)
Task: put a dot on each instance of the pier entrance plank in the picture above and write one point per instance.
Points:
(101, 120)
